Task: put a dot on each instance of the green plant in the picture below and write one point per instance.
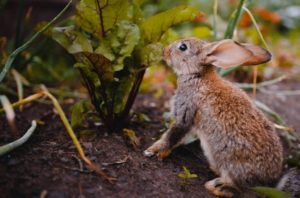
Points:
(113, 44)
(270, 192)
(186, 175)
(20, 49)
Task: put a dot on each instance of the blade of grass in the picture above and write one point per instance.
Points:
(261, 38)
(13, 145)
(15, 53)
(254, 81)
(234, 19)
(270, 192)
(19, 85)
(10, 114)
(262, 84)
(215, 11)
(268, 110)
(289, 135)
(229, 71)
(256, 27)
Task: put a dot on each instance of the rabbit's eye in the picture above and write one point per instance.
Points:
(183, 47)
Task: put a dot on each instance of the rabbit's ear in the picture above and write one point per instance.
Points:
(260, 55)
(228, 53)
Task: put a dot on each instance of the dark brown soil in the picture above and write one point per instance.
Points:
(49, 163)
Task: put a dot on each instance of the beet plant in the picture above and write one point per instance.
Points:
(113, 44)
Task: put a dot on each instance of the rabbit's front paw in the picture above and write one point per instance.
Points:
(159, 148)
(221, 188)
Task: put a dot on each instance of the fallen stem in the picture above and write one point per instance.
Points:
(19, 84)
(26, 100)
(262, 84)
(10, 114)
(281, 92)
(73, 136)
(68, 127)
(13, 145)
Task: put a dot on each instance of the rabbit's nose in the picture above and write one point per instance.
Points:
(167, 52)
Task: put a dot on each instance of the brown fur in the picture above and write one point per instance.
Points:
(239, 142)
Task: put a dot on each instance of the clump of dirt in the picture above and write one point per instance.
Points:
(48, 163)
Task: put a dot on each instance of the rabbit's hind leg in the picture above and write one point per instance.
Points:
(222, 187)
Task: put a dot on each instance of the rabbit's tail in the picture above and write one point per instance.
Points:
(290, 183)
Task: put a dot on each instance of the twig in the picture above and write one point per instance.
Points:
(76, 169)
(121, 161)
(79, 162)
(10, 114)
(262, 84)
(73, 136)
(280, 92)
(99, 9)
(11, 146)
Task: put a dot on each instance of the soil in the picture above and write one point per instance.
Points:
(48, 163)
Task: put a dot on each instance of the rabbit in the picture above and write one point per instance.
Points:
(239, 142)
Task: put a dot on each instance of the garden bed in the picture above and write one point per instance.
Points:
(48, 163)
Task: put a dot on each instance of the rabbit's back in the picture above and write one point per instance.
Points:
(234, 134)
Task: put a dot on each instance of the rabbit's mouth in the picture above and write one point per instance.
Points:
(166, 55)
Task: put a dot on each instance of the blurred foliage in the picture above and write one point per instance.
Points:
(279, 23)
(270, 192)
(43, 62)
(113, 44)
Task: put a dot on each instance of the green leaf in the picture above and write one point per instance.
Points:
(99, 20)
(120, 91)
(234, 19)
(270, 192)
(154, 27)
(136, 14)
(186, 174)
(99, 65)
(73, 41)
(152, 54)
(78, 112)
(120, 43)
(134, 140)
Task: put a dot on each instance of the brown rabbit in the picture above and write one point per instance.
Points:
(239, 142)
